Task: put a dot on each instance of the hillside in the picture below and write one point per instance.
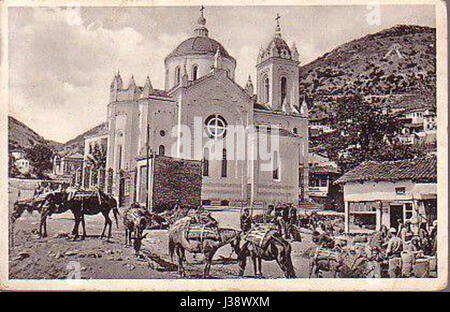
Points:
(77, 143)
(395, 67)
(21, 136)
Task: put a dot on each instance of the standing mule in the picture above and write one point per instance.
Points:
(58, 202)
(135, 221)
(178, 243)
(99, 202)
(273, 247)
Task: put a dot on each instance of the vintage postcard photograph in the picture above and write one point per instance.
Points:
(167, 145)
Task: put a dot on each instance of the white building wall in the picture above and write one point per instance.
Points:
(371, 191)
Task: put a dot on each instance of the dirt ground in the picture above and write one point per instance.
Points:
(59, 257)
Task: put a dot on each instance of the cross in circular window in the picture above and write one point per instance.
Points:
(216, 126)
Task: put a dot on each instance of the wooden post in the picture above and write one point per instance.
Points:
(379, 216)
(347, 216)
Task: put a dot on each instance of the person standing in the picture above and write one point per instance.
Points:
(433, 238)
(400, 227)
(246, 221)
(393, 250)
(406, 234)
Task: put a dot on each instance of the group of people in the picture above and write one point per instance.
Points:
(282, 217)
(47, 187)
(402, 244)
(397, 247)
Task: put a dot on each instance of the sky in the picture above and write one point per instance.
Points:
(62, 60)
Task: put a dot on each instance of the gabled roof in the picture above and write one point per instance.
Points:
(212, 75)
(74, 155)
(323, 169)
(418, 169)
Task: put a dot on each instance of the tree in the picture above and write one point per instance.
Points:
(96, 159)
(40, 157)
(364, 132)
(12, 170)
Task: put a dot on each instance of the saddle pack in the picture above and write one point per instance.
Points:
(258, 234)
(201, 232)
(326, 254)
(79, 195)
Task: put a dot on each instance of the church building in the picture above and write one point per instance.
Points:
(198, 113)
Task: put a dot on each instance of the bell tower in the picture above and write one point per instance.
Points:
(278, 73)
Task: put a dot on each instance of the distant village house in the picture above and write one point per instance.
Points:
(69, 166)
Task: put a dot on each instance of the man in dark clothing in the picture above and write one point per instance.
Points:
(290, 220)
(292, 215)
(269, 215)
(246, 221)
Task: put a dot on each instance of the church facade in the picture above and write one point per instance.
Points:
(253, 142)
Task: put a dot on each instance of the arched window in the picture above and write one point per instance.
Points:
(119, 157)
(266, 89)
(283, 89)
(177, 75)
(206, 163)
(224, 163)
(194, 72)
(295, 130)
(276, 165)
(162, 150)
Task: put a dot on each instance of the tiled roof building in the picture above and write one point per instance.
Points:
(419, 169)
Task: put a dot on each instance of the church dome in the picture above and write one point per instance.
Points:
(198, 46)
(280, 45)
(196, 56)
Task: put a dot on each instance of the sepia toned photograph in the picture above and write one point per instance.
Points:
(224, 146)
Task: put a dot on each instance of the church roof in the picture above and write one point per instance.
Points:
(201, 44)
(198, 46)
(278, 43)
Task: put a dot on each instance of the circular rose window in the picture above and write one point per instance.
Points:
(216, 126)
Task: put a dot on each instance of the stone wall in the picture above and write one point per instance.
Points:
(176, 179)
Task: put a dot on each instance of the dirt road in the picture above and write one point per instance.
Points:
(59, 257)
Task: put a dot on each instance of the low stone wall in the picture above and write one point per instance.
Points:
(176, 179)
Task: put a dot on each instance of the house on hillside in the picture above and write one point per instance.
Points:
(19, 160)
(17, 153)
(418, 126)
(23, 165)
(319, 126)
(381, 193)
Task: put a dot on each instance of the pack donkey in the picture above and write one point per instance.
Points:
(60, 202)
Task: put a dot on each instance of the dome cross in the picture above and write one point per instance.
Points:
(202, 8)
(278, 28)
